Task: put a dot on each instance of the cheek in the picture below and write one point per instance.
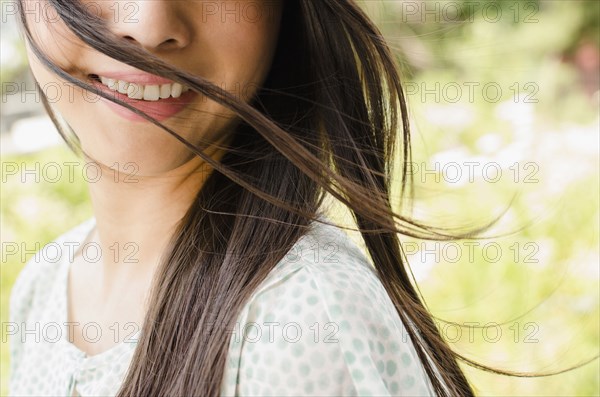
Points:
(60, 94)
(53, 37)
(64, 50)
(242, 52)
(68, 100)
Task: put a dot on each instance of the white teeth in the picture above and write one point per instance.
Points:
(176, 90)
(151, 93)
(123, 86)
(112, 84)
(135, 91)
(165, 91)
(148, 92)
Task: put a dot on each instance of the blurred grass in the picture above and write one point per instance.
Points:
(35, 213)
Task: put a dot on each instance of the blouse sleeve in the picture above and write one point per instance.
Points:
(327, 330)
(20, 301)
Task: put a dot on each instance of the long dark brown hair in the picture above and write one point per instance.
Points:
(327, 119)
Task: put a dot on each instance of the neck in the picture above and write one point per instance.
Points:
(136, 216)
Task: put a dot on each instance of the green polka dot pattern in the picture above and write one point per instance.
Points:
(321, 324)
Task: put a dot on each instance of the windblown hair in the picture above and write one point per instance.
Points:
(327, 119)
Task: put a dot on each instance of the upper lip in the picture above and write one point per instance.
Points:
(135, 77)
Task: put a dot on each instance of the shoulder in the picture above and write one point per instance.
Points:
(42, 269)
(327, 267)
(323, 324)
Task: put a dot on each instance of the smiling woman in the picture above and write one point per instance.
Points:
(222, 263)
(231, 52)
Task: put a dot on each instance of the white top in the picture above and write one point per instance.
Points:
(335, 331)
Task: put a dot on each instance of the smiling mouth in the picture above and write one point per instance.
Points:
(143, 92)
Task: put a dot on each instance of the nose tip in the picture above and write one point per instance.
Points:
(157, 44)
(156, 26)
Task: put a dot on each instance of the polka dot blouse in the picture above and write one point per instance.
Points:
(321, 324)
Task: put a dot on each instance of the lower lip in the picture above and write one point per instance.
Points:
(159, 110)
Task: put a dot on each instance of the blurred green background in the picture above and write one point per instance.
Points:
(509, 86)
